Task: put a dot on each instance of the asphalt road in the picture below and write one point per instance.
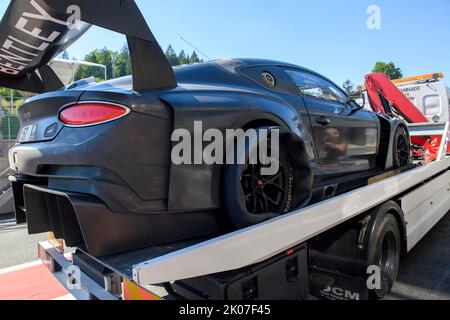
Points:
(16, 246)
(424, 273)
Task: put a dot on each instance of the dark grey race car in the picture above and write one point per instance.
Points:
(93, 161)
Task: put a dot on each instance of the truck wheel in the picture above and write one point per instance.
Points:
(384, 251)
(402, 148)
(252, 198)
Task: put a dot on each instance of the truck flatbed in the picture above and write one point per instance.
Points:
(237, 250)
(124, 263)
(422, 192)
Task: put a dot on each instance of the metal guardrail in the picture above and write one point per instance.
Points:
(9, 121)
(10, 127)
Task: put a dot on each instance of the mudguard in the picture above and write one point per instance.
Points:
(33, 32)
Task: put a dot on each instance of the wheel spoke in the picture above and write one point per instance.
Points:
(276, 186)
(266, 204)
(266, 194)
(402, 151)
(274, 177)
(260, 201)
(272, 201)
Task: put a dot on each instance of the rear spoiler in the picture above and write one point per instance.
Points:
(33, 32)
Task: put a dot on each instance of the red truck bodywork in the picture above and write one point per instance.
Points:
(380, 87)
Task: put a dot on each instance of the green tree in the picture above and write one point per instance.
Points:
(183, 58)
(194, 58)
(122, 64)
(6, 93)
(348, 87)
(388, 69)
(172, 56)
(103, 57)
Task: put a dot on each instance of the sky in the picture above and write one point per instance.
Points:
(330, 37)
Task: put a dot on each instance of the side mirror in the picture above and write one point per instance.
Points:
(355, 106)
(363, 97)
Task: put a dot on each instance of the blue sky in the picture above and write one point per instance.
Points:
(327, 36)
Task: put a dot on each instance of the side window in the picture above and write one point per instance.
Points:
(309, 84)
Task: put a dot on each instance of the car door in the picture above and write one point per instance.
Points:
(346, 137)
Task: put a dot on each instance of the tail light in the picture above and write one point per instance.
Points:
(92, 113)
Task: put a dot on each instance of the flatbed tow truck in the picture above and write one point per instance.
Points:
(330, 249)
(317, 251)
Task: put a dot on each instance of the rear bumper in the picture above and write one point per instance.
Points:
(124, 163)
(84, 221)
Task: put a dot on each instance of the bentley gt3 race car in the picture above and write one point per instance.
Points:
(93, 161)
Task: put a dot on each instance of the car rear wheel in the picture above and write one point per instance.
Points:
(252, 197)
(402, 148)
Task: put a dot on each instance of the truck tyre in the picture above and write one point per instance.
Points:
(384, 251)
(402, 148)
(251, 198)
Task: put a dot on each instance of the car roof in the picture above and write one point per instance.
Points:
(218, 69)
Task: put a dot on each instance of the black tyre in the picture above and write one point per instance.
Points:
(402, 148)
(384, 251)
(252, 198)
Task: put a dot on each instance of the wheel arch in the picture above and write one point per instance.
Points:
(265, 119)
(298, 153)
(378, 213)
(402, 124)
(399, 216)
(388, 127)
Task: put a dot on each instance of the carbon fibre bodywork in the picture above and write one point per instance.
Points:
(112, 187)
(122, 170)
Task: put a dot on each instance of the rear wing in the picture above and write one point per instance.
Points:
(33, 32)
